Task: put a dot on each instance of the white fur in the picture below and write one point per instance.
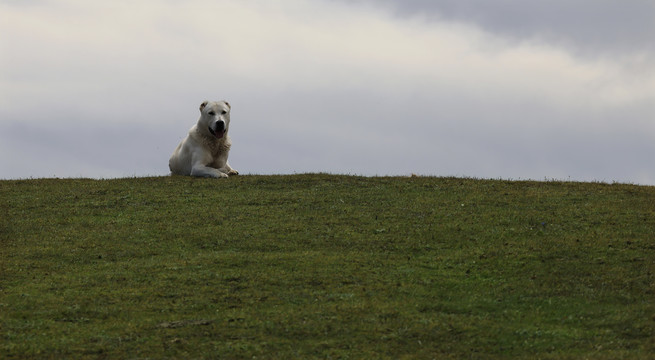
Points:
(204, 151)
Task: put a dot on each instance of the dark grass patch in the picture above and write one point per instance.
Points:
(317, 265)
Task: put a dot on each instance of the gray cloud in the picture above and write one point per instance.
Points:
(590, 27)
(109, 90)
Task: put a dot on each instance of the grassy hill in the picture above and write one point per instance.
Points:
(325, 266)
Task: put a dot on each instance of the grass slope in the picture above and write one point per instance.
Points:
(324, 266)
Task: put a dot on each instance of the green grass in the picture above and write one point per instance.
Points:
(325, 266)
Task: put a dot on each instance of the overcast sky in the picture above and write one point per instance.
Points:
(512, 89)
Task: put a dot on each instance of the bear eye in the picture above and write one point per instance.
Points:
(223, 112)
(211, 113)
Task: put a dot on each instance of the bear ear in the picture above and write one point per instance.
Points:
(204, 103)
(228, 104)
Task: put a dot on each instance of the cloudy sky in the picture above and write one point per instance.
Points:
(512, 89)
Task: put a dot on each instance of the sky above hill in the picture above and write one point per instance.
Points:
(508, 89)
